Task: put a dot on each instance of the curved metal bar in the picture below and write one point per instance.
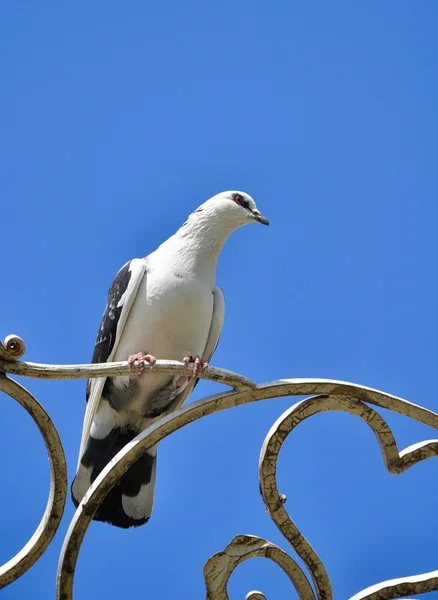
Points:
(219, 568)
(42, 371)
(332, 387)
(268, 467)
(399, 588)
(45, 531)
(148, 438)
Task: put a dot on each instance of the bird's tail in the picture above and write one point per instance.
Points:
(130, 502)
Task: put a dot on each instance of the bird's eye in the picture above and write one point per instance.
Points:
(238, 199)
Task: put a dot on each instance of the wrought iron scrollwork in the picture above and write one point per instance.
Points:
(14, 348)
(326, 395)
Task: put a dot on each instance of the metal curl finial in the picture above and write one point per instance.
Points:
(255, 595)
(12, 348)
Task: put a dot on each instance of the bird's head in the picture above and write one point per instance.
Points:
(238, 208)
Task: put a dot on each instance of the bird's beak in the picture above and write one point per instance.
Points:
(259, 217)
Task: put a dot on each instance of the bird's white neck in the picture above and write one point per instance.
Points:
(194, 249)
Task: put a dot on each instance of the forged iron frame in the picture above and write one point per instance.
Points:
(326, 395)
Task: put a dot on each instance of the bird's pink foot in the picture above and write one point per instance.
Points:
(197, 363)
(141, 359)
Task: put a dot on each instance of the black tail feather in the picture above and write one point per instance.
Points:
(96, 456)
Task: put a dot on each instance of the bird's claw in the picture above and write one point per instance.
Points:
(197, 363)
(141, 359)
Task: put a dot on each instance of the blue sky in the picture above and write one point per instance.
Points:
(119, 119)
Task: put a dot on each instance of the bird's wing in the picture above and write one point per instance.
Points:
(217, 323)
(214, 334)
(121, 296)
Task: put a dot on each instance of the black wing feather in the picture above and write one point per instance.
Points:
(106, 335)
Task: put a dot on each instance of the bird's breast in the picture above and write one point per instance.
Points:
(170, 318)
